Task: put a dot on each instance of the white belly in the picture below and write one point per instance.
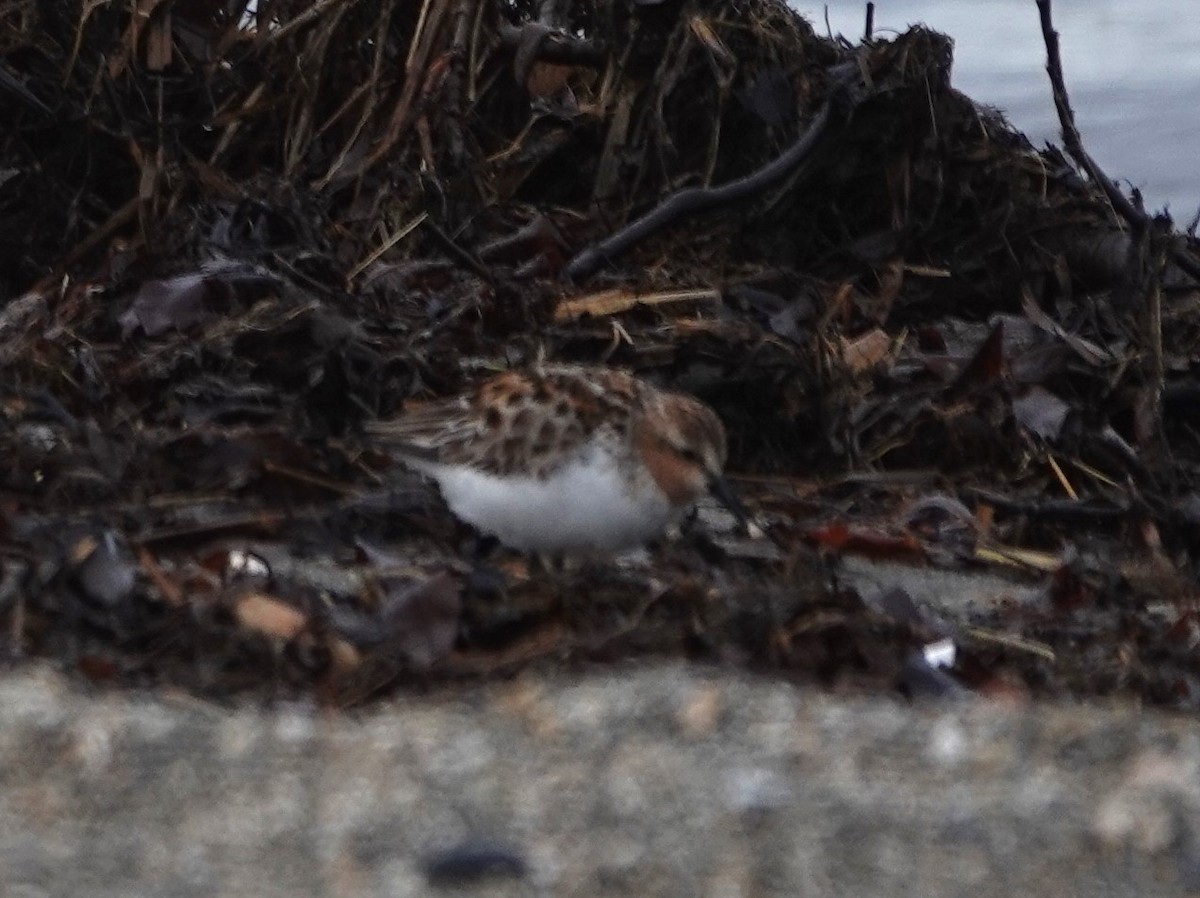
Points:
(588, 504)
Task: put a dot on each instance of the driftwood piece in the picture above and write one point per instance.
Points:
(1148, 252)
(695, 200)
(1073, 144)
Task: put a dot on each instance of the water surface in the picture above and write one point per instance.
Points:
(1132, 72)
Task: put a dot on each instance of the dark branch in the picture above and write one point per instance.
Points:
(536, 40)
(1074, 144)
(694, 200)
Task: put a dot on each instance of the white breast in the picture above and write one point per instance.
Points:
(590, 503)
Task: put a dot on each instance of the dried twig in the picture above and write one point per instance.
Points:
(1074, 144)
(551, 45)
(311, 14)
(694, 200)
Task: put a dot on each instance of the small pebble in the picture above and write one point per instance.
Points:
(471, 861)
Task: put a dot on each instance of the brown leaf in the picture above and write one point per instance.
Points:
(547, 78)
(270, 616)
(866, 350)
(344, 658)
(841, 537)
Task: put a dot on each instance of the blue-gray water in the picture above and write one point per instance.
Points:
(1132, 71)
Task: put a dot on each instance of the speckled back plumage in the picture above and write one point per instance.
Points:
(503, 426)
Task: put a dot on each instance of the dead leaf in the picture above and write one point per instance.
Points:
(1041, 413)
(866, 350)
(343, 656)
(108, 573)
(270, 616)
(545, 79)
(175, 303)
(841, 537)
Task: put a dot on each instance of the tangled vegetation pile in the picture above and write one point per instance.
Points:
(230, 234)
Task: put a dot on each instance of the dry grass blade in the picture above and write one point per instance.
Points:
(614, 302)
(384, 247)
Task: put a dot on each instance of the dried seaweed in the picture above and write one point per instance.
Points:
(231, 233)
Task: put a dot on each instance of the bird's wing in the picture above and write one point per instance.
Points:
(512, 423)
(436, 431)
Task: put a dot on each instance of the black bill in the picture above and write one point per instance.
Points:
(724, 493)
